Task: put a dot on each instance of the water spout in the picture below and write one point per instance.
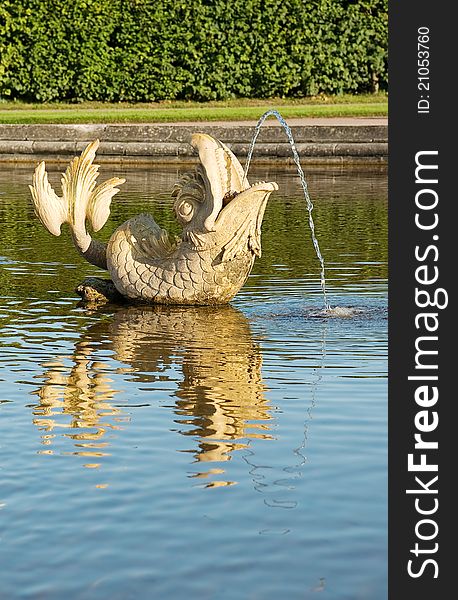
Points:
(284, 124)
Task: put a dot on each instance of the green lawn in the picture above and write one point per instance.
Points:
(167, 112)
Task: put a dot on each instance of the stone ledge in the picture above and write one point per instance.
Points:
(182, 133)
(60, 159)
(157, 142)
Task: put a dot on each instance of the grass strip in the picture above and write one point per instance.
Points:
(237, 110)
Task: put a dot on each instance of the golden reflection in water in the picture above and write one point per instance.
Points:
(219, 395)
(84, 393)
(220, 398)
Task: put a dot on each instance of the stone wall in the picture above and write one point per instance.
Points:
(170, 142)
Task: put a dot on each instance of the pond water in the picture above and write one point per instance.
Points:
(221, 453)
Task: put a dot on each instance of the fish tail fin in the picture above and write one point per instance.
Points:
(81, 200)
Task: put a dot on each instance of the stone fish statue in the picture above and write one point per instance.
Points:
(220, 213)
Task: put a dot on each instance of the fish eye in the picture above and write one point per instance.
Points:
(185, 209)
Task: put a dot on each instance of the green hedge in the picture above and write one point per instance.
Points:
(147, 50)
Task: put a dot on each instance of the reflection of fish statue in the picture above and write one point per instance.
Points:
(221, 396)
(220, 213)
(83, 394)
(219, 401)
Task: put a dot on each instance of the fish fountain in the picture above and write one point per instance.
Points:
(220, 214)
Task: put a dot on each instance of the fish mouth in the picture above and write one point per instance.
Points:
(224, 177)
(264, 185)
(251, 201)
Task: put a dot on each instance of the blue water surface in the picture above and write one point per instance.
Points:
(221, 453)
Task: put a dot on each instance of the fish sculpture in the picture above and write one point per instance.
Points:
(220, 214)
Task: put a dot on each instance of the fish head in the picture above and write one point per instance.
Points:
(216, 204)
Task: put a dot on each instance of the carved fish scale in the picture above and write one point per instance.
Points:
(188, 276)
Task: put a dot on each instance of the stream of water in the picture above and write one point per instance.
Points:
(300, 171)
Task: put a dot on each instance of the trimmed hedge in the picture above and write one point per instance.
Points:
(148, 50)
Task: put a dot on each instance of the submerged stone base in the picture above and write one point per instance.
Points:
(96, 290)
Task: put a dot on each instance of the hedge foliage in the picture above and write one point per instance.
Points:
(147, 50)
